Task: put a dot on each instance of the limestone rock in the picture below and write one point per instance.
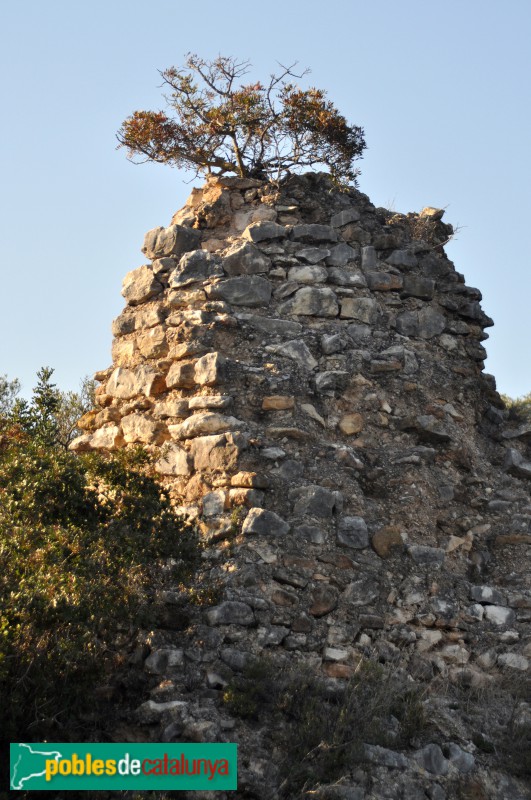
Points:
(181, 375)
(363, 309)
(217, 453)
(127, 383)
(153, 342)
(402, 258)
(231, 612)
(384, 281)
(140, 285)
(264, 523)
(341, 255)
(172, 241)
(499, 615)
(264, 231)
(314, 233)
(174, 461)
(205, 424)
(432, 213)
(308, 274)
(418, 287)
(161, 661)
(344, 217)
(108, 438)
(278, 403)
(431, 758)
(139, 428)
(244, 290)
(171, 407)
(513, 661)
(297, 351)
(196, 266)
(274, 327)
(515, 464)
(369, 259)
(245, 259)
(314, 501)
(314, 303)
(313, 255)
(208, 369)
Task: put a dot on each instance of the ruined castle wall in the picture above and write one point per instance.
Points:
(307, 371)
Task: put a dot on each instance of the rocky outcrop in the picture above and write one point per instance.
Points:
(307, 371)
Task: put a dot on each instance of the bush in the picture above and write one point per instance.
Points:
(320, 727)
(254, 130)
(519, 408)
(80, 537)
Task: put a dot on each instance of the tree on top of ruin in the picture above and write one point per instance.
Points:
(216, 124)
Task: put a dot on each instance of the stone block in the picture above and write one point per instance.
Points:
(208, 369)
(344, 217)
(313, 302)
(308, 274)
(278, 402)
(244, 290)
(174, 461)
(127, 383)
(231, 612)
(204, 425)
(196, 266)
(264, 231)
(172, 241)
(245, 259)
(264, 523)
(140, 285)
(181, 375)
(140, 428)
(314, 233)
(363, 309)
(218, 453)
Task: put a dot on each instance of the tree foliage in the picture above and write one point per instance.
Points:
(80, 539)
(519, 408)
(258, 130)
(51, 413)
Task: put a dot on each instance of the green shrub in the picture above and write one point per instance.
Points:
(320, 727)
(80, 541)
(519, 408)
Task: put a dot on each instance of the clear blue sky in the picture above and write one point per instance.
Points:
(442, 90)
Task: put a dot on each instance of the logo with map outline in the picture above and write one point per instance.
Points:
(29, 763)
(115, 766)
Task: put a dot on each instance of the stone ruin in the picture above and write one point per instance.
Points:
(307, 371)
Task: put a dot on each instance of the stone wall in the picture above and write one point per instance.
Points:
(307, 371)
